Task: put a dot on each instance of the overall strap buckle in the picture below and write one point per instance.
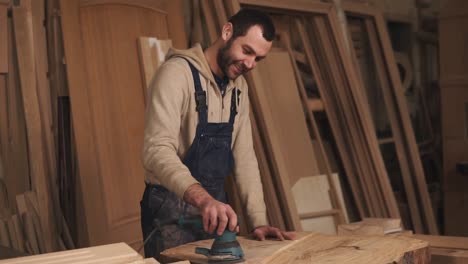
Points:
(200, 99)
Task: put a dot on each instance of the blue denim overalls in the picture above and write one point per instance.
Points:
(210, 161)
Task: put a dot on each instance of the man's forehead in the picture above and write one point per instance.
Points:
(254, 39)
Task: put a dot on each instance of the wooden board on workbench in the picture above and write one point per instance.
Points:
(319, 248)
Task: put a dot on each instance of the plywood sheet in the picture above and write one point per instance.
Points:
(113, 254)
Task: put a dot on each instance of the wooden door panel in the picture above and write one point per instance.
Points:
(117, 99)
(107, 98)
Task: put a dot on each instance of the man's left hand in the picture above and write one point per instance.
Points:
(263, 232)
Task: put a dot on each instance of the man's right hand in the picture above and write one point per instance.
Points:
(215, 213)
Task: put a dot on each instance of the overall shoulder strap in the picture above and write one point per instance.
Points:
(200, 95)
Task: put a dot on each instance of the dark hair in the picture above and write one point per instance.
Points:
(246, 18)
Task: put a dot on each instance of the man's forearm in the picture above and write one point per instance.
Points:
(196, 195)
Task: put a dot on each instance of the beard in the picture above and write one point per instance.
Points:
(225, 60)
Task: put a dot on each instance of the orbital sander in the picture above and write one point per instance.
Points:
(225, 247)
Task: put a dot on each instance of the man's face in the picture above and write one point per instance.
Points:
(240, 55)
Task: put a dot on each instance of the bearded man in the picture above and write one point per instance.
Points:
(197, 132)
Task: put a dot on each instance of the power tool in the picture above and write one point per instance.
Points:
(225, 247)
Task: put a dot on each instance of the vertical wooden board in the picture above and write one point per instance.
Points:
(3, 39)
(152, 53)
(289, 120)
(43, 87)
(17, 179)
(277, 164)
(4, 236)
(272, 203)
(19, 232)
(220, 13)
(22, 20)
(176, 23)
(4, 133)
(210, 23)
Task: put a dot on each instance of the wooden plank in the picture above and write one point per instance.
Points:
(12, 234)
(4, 236)
(210, 22)
(176, 22)
(220, 13)
(27, 74)
(444, 241)
(319, 248)
(18, 176)
(30, 232)
(152, 52)
(112, 254)
(274, 212)
(19, 232)
(4, 39)
(372, 226)
(446, 255)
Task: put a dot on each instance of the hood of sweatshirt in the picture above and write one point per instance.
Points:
(196, 56)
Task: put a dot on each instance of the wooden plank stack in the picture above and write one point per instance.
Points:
(31, 216)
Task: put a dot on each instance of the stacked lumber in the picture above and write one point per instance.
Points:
(402, 137)
(318, 248)
(32, 220)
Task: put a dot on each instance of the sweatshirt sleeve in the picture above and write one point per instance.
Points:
(246, 172)
(162, 128)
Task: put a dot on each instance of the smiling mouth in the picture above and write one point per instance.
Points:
(237, 70)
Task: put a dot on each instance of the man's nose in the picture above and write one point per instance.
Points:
(250, 63)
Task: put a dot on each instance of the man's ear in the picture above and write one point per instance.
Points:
(226, 33)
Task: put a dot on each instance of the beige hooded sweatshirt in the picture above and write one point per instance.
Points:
(171, 121)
